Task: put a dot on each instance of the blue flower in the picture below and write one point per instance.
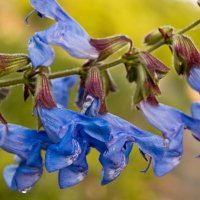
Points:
(115, 158)
(61, 88)
(26, 144)
(50, 9)
(114, 153)
(69, 158)
(25, 175)
(169, 120)
(20, 140)
(58, 121)
(70, 133)
(40, 53)
(69, 35)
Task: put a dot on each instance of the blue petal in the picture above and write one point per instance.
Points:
(21, 177)
(195, 110)
(194, 78)
(69, 177)
(172, 155)
(56, 122)
(115, 160)
(39, 52)
(26, 177)
(62, 155)
(19, 140)
(80, 95)
(49, 8)
(61, 88)
(164, 118)
(72, 38)
(8, 174)
(35, 159)
(168, 120)
(150, 144)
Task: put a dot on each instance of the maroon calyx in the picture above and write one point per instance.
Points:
(186, 52)
(108, 46)
(94, 87)
(43, 96)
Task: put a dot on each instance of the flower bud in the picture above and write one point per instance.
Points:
(94, 88)
(108, 46)
(12, 62)
(155, 36)
(185, 54)
(43, 96)
(156, 68)
(146, 71)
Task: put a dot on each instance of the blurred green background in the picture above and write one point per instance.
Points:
(103, 18)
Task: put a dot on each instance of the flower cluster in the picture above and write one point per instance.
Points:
(67, 136)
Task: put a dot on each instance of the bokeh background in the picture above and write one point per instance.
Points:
(104, 18)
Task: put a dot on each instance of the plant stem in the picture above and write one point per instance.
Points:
(79, 71)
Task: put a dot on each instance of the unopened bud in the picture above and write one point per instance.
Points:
(156, 68)
(185, 54)
(155, 36)
(12, 62)
(43, 96)
(108, 46)
(94, 88)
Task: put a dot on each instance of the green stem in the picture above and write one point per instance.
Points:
(79, 71)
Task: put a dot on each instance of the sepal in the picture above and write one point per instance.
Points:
(10, 63)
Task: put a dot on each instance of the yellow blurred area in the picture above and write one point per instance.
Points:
(103, 18)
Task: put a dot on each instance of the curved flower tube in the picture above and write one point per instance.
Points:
(169, 120)
(20, 140)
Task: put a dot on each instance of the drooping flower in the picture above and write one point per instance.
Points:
(169, 120)
(69, 35)
(187, 60)
(67, 131)
(114, 153)
(26, 144)
(26, 173)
